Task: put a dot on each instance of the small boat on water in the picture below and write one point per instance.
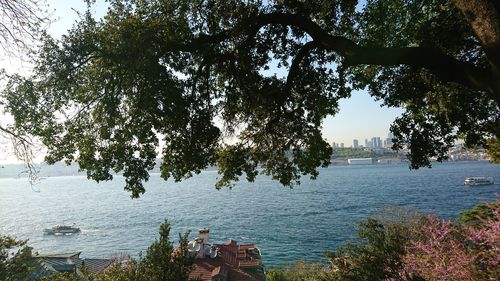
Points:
(62, 230)
(478, 181)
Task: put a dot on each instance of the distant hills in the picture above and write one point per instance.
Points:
(56, 170)
(45, 170)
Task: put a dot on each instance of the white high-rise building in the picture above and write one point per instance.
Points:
(388, 140)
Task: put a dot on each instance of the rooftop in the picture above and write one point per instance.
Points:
(233, 262)
(49, 263)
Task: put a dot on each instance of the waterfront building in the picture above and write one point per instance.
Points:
(225, 262)
(389, 161)
(360, 161)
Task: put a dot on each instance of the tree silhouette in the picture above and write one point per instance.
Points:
(191, 77)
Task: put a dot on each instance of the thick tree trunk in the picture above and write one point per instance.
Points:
(484, 18)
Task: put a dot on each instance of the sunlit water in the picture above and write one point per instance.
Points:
(287, 224)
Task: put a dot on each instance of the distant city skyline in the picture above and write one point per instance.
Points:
(373, 142)
(360, 117)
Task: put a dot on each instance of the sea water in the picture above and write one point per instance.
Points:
(287, 224)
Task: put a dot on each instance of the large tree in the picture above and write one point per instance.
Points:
(194, 78)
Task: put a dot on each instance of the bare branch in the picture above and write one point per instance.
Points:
(23, 150)
(15, 135)
(20, 24)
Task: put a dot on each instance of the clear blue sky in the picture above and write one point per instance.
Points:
(360, 116)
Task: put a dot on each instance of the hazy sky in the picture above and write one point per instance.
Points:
(360, 116)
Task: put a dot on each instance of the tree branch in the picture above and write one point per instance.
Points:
(445, 67)
(294, 69)
(15, 135)
(483, 16)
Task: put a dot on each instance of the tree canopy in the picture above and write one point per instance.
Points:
(195, 79)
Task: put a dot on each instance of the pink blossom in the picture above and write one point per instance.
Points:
(438, 255)
(448, 252)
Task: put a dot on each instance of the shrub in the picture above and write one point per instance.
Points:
(300, 271)
(378, 255)
(14, 257)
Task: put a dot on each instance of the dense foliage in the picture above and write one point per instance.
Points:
(494, 150)
(196, 80)
(14, 255)
(301, 271)
(378, 255)
(161, 262)
(413, 248)
(479, 214)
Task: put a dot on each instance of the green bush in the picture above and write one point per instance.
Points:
(300, 271)
(14, 257)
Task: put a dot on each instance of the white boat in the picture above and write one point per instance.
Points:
(61, 230)
(478, 181)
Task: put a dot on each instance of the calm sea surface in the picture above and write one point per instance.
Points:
(287, 224)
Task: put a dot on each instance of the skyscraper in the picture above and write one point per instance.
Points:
(376, 142)
(355, 143)
(388, 140)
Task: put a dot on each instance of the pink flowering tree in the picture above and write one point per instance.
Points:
(446, 251)
(485, 239)
(440, 254)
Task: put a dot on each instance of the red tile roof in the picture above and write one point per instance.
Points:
(234, 262)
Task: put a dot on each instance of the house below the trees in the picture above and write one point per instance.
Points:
(225, 262)
(48, 264)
